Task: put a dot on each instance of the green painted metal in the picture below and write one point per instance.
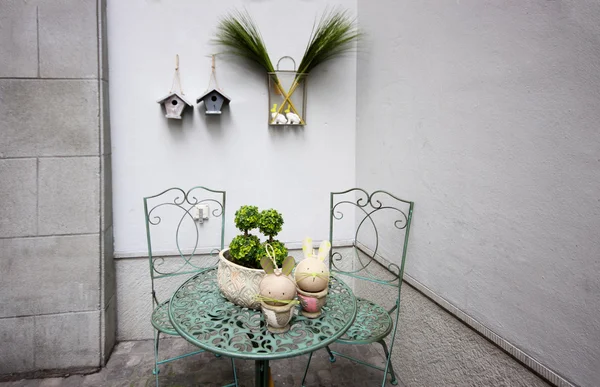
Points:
(200, 313)
(371, 212)
(168, 216)
(372, 324)
(160, 319)
(261, 371)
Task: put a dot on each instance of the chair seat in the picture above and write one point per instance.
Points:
(372, 324)
(160, 319)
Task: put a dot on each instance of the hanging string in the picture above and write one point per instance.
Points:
(213, 74)
(269, 249)
(176, 76)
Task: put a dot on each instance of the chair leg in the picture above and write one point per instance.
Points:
(306, 370)
(155, 371)
(388, 364)
(331, 356)
(235, 379)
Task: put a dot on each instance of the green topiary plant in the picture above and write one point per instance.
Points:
(270, 223)
(279, 249)
(247, 218)
(246, 249)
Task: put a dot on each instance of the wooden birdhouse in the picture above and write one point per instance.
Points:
(174, 104)
(213, 100)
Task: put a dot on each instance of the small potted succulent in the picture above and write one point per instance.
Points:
(240, 272)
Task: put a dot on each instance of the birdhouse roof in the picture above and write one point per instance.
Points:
(227, 99)
(179, 95)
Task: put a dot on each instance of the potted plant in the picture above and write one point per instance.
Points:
(333, 34)
(239, 271)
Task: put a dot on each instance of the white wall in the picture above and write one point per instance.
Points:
(486, 114)
(291, 170)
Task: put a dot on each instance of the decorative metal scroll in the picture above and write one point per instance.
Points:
(204, 317)
(171, 212)
(372, 323)
(372, 211)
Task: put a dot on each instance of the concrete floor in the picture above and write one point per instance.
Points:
(131, 365)
(433, 349)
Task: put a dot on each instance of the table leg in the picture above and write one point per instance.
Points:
(262, 373)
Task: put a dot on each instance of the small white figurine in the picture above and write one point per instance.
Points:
(277, 118)
(292, 118)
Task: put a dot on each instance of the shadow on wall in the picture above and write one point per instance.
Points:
(177, 127)
(216, 123)
(284, 131)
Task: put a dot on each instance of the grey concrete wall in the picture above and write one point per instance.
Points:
(486, 115)
(57, 280)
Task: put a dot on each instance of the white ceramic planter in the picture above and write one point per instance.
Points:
(239, 284)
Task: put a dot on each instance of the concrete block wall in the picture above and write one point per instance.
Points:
(57, 281)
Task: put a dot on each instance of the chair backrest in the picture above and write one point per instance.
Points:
(370, 235)
(185, 232)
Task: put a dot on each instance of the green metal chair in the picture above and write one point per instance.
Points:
(374, 230)
(175, 221)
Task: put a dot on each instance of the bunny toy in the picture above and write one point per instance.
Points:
(277, 118)
(277, 292)
(276, 288)
(312, 274)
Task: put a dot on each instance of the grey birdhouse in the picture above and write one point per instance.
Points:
(213, 100)
(174, 104)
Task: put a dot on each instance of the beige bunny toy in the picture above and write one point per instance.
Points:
(312, 274)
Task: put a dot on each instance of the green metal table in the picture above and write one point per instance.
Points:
(201, 315)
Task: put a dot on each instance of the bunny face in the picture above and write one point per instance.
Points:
(312, 274)
(277, 285)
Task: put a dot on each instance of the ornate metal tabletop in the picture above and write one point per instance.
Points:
(201, 315)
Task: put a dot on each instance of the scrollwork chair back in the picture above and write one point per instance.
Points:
(372, 229)
(180, 244)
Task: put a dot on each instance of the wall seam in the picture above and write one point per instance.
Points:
(49, 314)
(46, 157)
(37, 197)
(100, 188)
(46, 79)
(49, 235)
(34, 335)
(37, 27)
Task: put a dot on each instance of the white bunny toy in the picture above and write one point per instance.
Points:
(312, 274)
(292, 118)
(277, 118)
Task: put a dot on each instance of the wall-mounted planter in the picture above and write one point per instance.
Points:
(287, 96)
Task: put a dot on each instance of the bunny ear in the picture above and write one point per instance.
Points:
(267, 265)
(324, 249)
(307, 247)
(288, 265)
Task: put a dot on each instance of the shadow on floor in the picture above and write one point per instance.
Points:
(432, 349)
(131, 366)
